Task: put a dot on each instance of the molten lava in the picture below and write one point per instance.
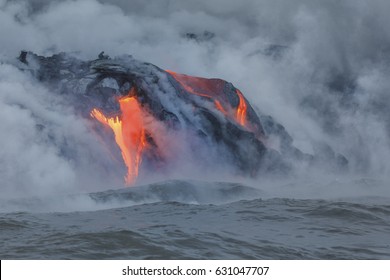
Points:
(212, 89)
(129, 126)
(241, 109)
(129, 133)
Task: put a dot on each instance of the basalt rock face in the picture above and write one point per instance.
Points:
(212, 111)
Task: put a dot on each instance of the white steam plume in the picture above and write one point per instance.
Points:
(320, 68)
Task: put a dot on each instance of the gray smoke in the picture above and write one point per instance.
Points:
(320, 68)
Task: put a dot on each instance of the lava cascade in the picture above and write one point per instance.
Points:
(129, 132)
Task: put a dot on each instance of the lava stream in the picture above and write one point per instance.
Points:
(241, 109)
(129, 133)
(212, 89)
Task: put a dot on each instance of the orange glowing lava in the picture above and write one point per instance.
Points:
(129, 133)
(212, 89)
(241, 109)
(218, 105)
(129, 126)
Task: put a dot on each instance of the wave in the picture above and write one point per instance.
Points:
(189, 192)
(259, 228)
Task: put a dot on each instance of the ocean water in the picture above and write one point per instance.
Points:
(199, 220)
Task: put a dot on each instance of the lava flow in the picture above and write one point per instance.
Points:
(129, 129)
(129, 133)
(212, 89)
(241, 109)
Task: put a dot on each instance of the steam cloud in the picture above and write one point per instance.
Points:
(320, 68)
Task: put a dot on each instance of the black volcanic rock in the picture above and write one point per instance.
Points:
(99, 83)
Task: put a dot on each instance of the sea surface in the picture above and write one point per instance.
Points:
(200, 220)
